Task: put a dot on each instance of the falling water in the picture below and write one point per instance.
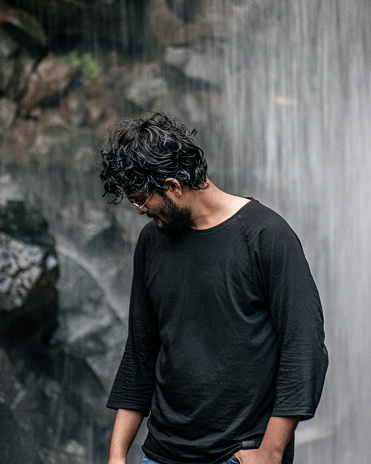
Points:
(299, 112)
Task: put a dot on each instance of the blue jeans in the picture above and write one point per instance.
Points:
(231, 460)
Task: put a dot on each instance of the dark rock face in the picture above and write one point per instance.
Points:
(55, 362)
(16, 444)
(28, 271)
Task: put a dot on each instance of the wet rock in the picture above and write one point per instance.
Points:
(75, 449)
(24, 22)
(52, 397)
(74, 110)
(110, 117)
(51, 129)
(63, 21)
(174, 24)
(141, 86)
(149, 86)
(9, 190)
(48, 82)
(16, 444)
(10, 388)
(185, 12)
(100, 107)
(167, 27)
(20, 136)
(89, 106)
(85, 225)
(8, 110)
(28, 271)
(24, 223)
(202, 65)
(20, 271)
(42, 419)
(8, 50)
(216, 18)
(16, 64)
(89, 329)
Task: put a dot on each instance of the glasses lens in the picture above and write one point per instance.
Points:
(133, 202)
(142, 205)
(136, 204)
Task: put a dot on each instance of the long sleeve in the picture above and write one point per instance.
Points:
(134, 383)
(297, 317)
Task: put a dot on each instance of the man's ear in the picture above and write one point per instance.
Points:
(173, 187)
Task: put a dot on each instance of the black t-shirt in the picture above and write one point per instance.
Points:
(225, 331)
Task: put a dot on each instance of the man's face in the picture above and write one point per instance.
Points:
(170, 218)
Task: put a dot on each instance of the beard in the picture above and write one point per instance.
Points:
(172, 220)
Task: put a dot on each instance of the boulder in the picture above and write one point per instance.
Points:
(52, 395)
(203, 65)
(166, 25)
(49, 81)
(144, 85)
(89, 331)
(28, 271)
(16, 64)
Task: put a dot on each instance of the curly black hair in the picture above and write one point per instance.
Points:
(143, 152)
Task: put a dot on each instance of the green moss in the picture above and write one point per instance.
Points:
(86, 63)
(89, 65)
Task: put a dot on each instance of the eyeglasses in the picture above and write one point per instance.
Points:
(141, 207)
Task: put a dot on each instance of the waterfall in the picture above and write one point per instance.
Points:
(280, 93)
(298, 113)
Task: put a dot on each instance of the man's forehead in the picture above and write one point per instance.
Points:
(137, 194)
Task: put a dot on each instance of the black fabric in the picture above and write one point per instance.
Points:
(225, 330)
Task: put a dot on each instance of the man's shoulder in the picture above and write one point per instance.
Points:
(257, 216)
(266, 230)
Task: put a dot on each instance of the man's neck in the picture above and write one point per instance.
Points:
(211, 206)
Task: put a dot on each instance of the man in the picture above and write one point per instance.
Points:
(226, 344)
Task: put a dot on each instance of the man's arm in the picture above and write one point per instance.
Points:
(124, 431)
(277, 436)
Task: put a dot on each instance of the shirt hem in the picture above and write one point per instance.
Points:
(304, 414)
(131, 407)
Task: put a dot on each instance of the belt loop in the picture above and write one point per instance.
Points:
(249, 444)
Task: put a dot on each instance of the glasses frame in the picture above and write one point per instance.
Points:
(141, 207)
